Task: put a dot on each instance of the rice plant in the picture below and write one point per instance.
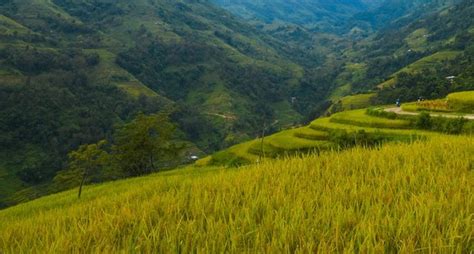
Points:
(405, 198)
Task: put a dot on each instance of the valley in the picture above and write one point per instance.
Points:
(233, 126)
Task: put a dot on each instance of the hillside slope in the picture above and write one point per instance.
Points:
(72, 69)
(422, 52)
(366, 127)
(398, 198)
(396, 13)
(185, 51)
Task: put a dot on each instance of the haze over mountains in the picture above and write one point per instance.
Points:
(315, 14)
(72, 69)
(339, 16)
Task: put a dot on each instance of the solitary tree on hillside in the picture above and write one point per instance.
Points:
(86, 160)
(142, 142)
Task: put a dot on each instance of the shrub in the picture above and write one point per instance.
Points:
(423, 121)
(344, 139)
(448, 125)
(381, 113)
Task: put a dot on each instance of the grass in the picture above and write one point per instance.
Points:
(315, 137)
(8, 26)
(109, 72)
(308, 133)
(326, 124)
(340, 92)
(462, 101)
(360, 118)
(430, 61)
(290, 142)
(285, 113)
(238, 154)
(356, 101)
(387, 84)
(417, 40)
(10, 166)
(403, 198)
(353, 73)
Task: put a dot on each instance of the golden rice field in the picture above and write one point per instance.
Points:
(315, 137)
(407, 198)
(460, 102)
(440, 105)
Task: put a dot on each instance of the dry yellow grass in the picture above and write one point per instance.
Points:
(407, 198)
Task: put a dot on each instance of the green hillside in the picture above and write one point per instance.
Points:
(351, 102)
(429, 63)
(368, 127)
(72, 69)
(413, 58)
(398, 198)
(395, 13)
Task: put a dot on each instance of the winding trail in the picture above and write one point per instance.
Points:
(400, 111)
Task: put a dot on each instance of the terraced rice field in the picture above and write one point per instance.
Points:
(461, 102)
(399, 198)
(315, 137)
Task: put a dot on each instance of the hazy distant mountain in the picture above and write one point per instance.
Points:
(391, 12)
(340, 16)
(320, 14)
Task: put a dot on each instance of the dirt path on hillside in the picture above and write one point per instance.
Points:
(399, 111)
(226, 117)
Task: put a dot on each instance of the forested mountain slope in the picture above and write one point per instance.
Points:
(414, 59)
(72, 69)
(393, 13)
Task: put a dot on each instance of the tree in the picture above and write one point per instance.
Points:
(140, 144)
(87, 160)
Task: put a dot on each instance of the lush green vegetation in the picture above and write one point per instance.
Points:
(71, 70)
(352, 102)
(414, 59)
(361, 118)
(397, 198)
